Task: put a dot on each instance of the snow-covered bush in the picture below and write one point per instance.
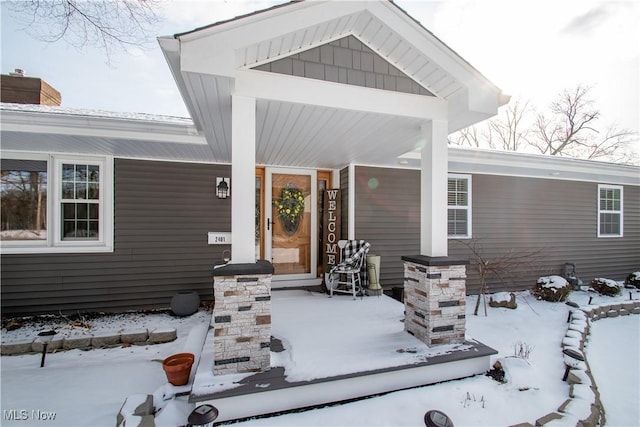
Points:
(503, 299)
(633, 280)
(552, 288)
(605, 286)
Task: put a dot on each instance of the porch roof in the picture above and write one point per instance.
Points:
(309, 123)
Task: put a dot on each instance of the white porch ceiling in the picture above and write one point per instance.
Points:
(302, 135)
(299, 135)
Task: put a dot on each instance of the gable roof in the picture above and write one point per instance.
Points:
(206, 60)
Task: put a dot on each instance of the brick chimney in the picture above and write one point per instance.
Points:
(17, 88)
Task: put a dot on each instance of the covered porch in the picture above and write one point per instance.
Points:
(327, 85)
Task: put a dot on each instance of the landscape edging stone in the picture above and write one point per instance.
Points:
(89, 342)
(596, 415)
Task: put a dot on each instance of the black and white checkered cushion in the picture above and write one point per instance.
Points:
(351, 253)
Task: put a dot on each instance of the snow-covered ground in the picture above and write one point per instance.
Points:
(613, 351)
(87, 388)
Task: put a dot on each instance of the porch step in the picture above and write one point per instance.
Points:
(269, 393)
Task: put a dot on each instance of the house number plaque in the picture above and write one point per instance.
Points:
(215, 238)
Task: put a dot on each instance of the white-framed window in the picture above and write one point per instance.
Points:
(459, 206)
(56, 203)
(610, 210)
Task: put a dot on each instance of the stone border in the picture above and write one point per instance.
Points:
(583, 407)
(89, 342)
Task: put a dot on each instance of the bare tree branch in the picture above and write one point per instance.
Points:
(570, 131)
(106, 24)
(502, 266)
(509, 131)
(568, 128)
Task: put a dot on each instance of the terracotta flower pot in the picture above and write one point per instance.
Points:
(178, 367)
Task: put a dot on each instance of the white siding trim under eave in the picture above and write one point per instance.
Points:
(98, 126)
(490, 162)
(118, 147)
(538, 166)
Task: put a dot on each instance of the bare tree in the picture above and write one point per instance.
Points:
(570, 130)
(512, 130)
(106, 24)
(504, 266)
(509, 131)
(473, 136)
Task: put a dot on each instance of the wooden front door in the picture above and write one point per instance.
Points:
(291, 224)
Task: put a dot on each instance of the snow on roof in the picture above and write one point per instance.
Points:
(84, 112)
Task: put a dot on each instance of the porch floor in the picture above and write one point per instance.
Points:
(327, 350)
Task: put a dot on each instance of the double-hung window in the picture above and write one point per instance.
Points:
(459, 206)
(80, 201)
(610, 217)
(54, 203)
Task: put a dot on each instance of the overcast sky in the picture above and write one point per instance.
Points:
(531, 49)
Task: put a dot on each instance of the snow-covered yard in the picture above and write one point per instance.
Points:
(87, 388)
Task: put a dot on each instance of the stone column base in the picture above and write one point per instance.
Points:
(242, 318)
(434, 299)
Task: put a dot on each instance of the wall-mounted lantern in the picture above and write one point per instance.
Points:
(222, 188)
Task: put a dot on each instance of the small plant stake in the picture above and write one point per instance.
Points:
(46, 338)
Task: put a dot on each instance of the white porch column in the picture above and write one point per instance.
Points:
(243, 175)
(433, 189)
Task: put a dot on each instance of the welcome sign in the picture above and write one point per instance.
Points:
(331, 229)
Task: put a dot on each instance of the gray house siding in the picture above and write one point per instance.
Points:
(557, 218)
(163, 212)
(387, 215)
(347, 61)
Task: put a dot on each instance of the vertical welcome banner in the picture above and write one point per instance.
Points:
(331, 233)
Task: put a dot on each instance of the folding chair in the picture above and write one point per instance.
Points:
(345, 277)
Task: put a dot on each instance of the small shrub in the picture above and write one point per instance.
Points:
(522, 350)
(472, 400)
(605, 286)
(552, 288)
(633, 280)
